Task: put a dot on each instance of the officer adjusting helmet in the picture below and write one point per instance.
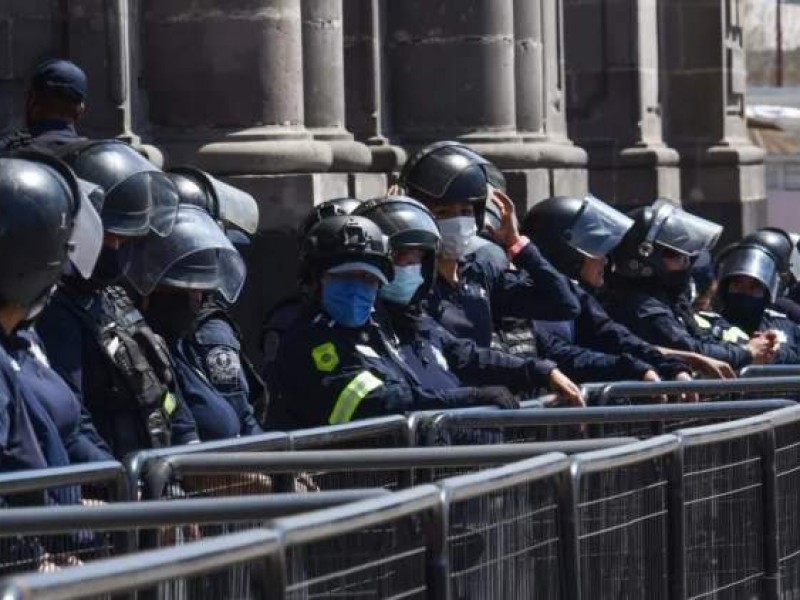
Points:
(566, 230)
(226, 204)
(196, 255)
(662, 230)
(46, 221)
(139, 197)
(779, 243)
(451, 173)
(409, 225)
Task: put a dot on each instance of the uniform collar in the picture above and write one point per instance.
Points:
(53, 125)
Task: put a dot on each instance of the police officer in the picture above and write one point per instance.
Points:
(438, 359)
(95, 337)
(55, 102)
(576, 235)
(749, 282)
(648, 291)
(174, 275)
(335, 363)
(470, 294)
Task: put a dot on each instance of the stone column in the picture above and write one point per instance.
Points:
(225, 85)
(365, 88)
(614, 101)
(323, 81)
(722, 173)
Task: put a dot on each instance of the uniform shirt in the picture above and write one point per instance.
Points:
(788, 333)
(65, 328)
(661, 322)
(50, 134)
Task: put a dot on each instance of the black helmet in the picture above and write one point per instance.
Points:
(664, 226)
(450, 172)
(39, 202)
(567, 229)
(338, 240)
(751, 259)
(336, 207)
(138, 196)
(778, 243)
(226, 204)
(408, 224)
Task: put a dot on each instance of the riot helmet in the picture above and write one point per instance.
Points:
(777, 242)
(567, 229)
(346, 239)
(658, 231)
(336, 207)
(794, 262)
(752, 260)
(449, 172)
(409, 225)
(138, 196)
(225, 203)
(196, 255)
(40, 209)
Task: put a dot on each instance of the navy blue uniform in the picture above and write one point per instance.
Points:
(212, 378)
(670, 324)
(485, 293)
(788, 333)
(67, 328)
(48, 134)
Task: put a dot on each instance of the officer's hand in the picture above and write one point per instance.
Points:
(761, 347)
(565, 387)
(651, 375)
(692, 396)
(394, 190)
(497, 395)
(508, 233)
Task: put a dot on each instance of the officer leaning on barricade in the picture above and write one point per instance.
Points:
(438, 360)
(95, 337)
(648, 290)
(47, 223)
(749, 282)
(470, 293)
(576, 235)
(173, 275)
(55, 102)
(335, 363)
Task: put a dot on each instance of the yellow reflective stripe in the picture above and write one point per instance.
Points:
(351, 397)
(734, 335)
(170, 403)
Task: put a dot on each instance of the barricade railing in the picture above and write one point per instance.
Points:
(620, 530)
(395, 468)
(770, 371)
(520, 426)
(505, 529)
(385, 432)
(729, 510)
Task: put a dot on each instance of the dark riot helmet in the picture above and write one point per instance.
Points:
(335, 207)
(751, 259)
(196, 255)
(40, 208)
(778, 243)
(567, 229)
(226, 204)
(139, 197)
(343, 239)
(449, 173)
(408, 224)
(661, 228)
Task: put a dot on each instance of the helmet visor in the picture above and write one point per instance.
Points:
(436, 171)
(678, 230)
(406, 225)
(195, 255)
(753, 262)
(598, 229)
(236, 208)
(86, 240)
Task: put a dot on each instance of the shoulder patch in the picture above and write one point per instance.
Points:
(701, 322)
(325, 357)
(223, 365)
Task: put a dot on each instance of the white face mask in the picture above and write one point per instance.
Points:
(456, 235)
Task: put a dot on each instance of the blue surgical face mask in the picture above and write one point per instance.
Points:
(405, 284)
(349, 302)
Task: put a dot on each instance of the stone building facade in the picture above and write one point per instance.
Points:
(299, 101)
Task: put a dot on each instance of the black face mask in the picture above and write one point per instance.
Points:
(675, 282)
(172, 315)
(111, 264)
(744, 310)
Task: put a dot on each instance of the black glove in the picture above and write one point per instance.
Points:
(496, 395)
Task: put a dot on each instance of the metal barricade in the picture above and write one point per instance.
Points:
(770, 371)
(728, 489)
(520, 426)
(385, 432)
(402, 467)
(504, 534)
(380, 548)
(621, 529)
(169, 572)
(786, 425)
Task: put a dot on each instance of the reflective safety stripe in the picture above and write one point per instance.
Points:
(734, 335)
(351, 397)
(170, 403)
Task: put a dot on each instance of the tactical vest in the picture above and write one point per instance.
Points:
(143, 376)
(516, 337)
